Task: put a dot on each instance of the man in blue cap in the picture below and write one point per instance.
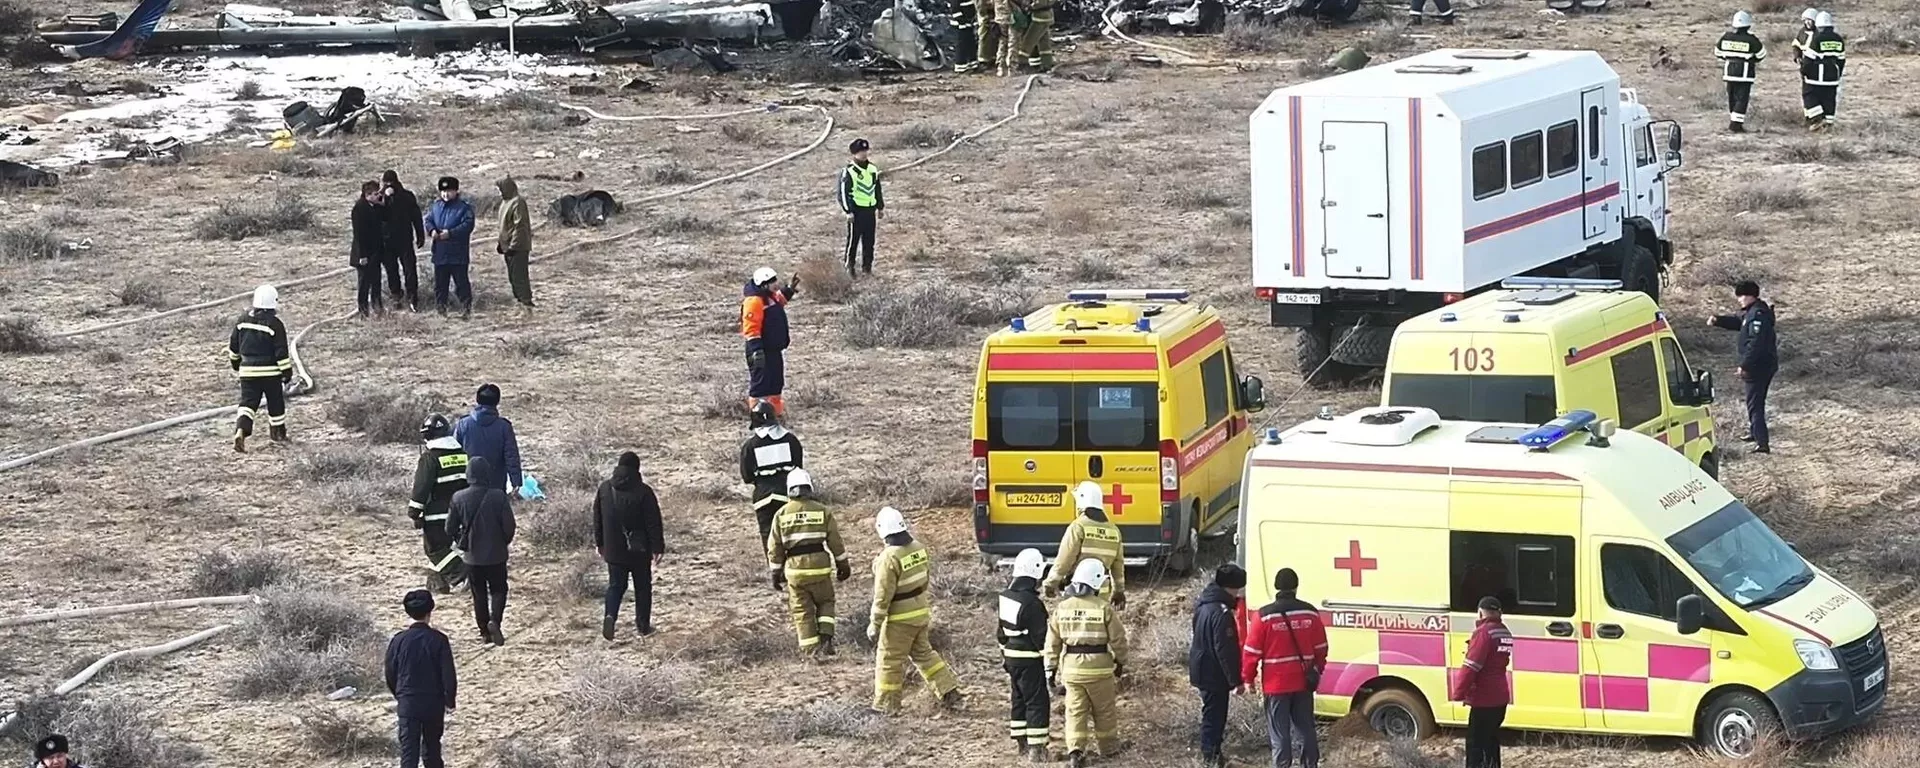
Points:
(862, 201)
(420, 676)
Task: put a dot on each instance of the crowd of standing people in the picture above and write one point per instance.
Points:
(389, 227)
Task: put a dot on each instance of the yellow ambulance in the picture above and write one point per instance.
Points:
(1135, 390)
(1542, 346)
(1642, 597)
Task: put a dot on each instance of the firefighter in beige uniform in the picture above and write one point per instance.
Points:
(902, 618)
(1086, 649)
(1091, 535)
(806, 555)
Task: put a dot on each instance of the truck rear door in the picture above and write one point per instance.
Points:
(1354, 196)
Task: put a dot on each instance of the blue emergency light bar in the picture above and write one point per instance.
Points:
(1129, 294)
(1546, 435)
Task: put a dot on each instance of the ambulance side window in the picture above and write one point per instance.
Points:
(1532, 575)
(1030, 416)
(1118, 416)
(1639, 580)
(1636, 384)
(1214, 381)
(1678, 374)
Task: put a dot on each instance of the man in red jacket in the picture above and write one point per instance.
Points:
(1481, 684)
(1287, 648)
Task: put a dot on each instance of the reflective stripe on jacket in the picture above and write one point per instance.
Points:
(1740, 54)
(1089, 538)
(900, 576)
(860, 188)
(1271, 653)
(258, 346)
(1481, 680)
(441, 471)
(1022, 632)
(1079, 625)
(805, 525)
(1824, 60)
(763, 319)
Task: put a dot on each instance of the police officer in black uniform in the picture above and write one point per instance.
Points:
(258, 352)
(765, 459)
(442, 470)
(1821, 65)
(1759, 356)
(51, 752)
(1740, 54)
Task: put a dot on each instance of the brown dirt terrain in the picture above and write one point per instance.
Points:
(1137, 181)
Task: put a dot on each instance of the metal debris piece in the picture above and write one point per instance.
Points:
(585, 209)
(14, 174)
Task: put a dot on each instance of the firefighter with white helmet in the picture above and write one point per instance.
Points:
(1805, 35)
(258, 352)
(1022, 635)
(806, 556)
(1086, 650)
(769, 453)
(902, 618)
(1091, 535)
(1740, 54)
(1822, 63)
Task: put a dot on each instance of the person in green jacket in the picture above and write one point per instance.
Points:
(516, 240)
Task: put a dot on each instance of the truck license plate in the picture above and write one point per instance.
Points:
(1296, 298)
(1874, 679)
(1035, 499)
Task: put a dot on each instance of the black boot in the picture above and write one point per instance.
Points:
(1076, 759)
(606, 627)
(1737, 127)
(278, 432)
(826, 646)
(494, 636)
(1038, 754)
(239, 441)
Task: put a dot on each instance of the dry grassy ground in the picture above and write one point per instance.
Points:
(1137, 181)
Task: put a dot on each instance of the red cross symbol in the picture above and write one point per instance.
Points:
(1355, 565)
(1119, 499)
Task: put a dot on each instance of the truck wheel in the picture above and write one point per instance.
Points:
(1397, 713)
(1641, 272)
(1710, 464)
(1736, 723)
(1364, 347)
(1311, 348)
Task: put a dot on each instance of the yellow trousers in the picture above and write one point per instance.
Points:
(811, 605)
(900, 643)
(1093, 714)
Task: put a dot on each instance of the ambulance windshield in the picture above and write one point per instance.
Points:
(1742, 558)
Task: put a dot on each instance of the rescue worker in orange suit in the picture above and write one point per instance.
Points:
(1481, 684)
(1023, 635)
(1091, 535)
(257, 351)
(1287, 649)
(763, 323)
(766, 458)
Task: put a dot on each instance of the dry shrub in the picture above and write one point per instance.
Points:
(1822, 152)
(825, 280)
(226, 572)
(813, 66)
(1003, 268)
(1069, 216)
(121, 730)
(1200, 198)
(607, 684)
(1255, 36)
(961, 581)
(522, 101)
(586, 577)
(1771, 750)
(36, 714)
(830, 720)
(559, 527)
(278, 668)
(1100, 115)
(1092, 270)
(1727, 269)
(1878, 748)
(1884, 32)
(361, 497)
(723, 396)
(906, 488)
(812, 396)
(21, 335)
(1165, 639)
(338, 463)
(537, 347)
(384, 417)
(140, 292)
(741, 133)
(923, 135)
(1763, 197)
(1405, 753)
(683, 224)
(926, 316)
(1770, 6)
(595, 747)
(581, 462)
(30, 242)
(330, 733)
(252, 217)
(743, 641)
(312, 618)
(673, 173)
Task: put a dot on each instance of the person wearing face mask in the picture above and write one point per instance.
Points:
(449, 224)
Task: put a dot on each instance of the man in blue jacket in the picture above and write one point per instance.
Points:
(1213, 656)
(420, 676)
(1759, 352)
(449, 224)
(484, 433)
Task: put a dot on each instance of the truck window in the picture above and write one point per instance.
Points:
(1678, 374)
(1641, 581)
(1636, 385)
(1478, 397)
(1526, 159)
(1489, 170)
(1563, 148)
(1593, 132)
(1532, 575)
(1116, 416)
(1030, 417)
(1642, 148)
(1214, 382)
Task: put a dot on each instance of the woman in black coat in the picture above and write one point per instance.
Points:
(627, 533)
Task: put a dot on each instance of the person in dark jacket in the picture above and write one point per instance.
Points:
(420, 676)
(440, 473)
(515, 242)
(369, 246)
(262, 356)
(766, 457)
(484, 432)
(405, 233)
(1286, 650)
(763, 324)
(1759, 352)
(1481, 684)
(1213, 656)
(449, 222)
(628, 535)
(480, 520)
(1023, 640)
(51, 752)
(863, 203)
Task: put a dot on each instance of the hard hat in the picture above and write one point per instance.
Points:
(1824, 20)
(798, 479)
(889, 522)
(1742, 20)
(763, 415)
(1088, 495)
(1091, 573)
(1810, 14)
(1029, 563)
(436, 425)
(765, 275)
(266, 297)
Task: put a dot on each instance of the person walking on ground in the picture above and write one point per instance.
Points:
(257, 351)
(420, 675)
(406, 233)
(767, 456)
(1822, 64)
(1091, 534)
(51, 752)
(1287, 650)
(1759, 355)
(516, 240)
(1481, 684)
(1213, 657)
(440, 473)
(805, 556)
(1740, 54)
(1085, 652)
(629, 537)
(990, 33)
(483, 432)
(1023, 637)
(965, 15)
(449, 223)
(369, 247)
(902, 618)
(864, 204)
(480, 520)
(1009, 21)
(763, 324)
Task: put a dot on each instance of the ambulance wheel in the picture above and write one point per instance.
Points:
(1180, 561)
(1641, 272)
(1397, 713)
(1312, 351)
(1736, 724)
(1710, 464)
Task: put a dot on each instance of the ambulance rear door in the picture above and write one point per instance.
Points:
(1116, 434)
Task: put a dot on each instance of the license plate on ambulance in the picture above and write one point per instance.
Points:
(1874, 679)
(1035, 499)
(1296, 298)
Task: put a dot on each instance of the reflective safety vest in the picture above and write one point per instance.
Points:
(1740, 54)
(806, 541)
(864, 180)
(1085, 640)
(1086, 538)
(900, 576)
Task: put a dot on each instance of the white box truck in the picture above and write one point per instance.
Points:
(1386, 192)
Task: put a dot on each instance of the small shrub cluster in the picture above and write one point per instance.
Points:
(310, 618)
(1725, 270)
(923, 135)
(1255, 36)
(673, 174)
(829, 720)
(21, 335)
(559, 527)
(683, 224)
(384, 417)
(139, 292)
(30, 242)
(338, 463)
(120, 730)
(254, 217)
(537, 347)
(824, 280)
(1765, 197)
(927, 316)
(306, 640)
(277, 668)
(606, 684)
(226, 572)
(331, 734)
(1093, 270)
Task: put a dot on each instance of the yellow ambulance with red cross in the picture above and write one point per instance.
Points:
(1642, 597)
(1135, 390)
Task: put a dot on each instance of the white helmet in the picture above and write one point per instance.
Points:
(765, 275)
(266, 297)
(1810, 14)
(1087, 495)
(1742, 20)
(798, 479)
(1090, 572)
(1030, 563)
(1824, 20)
(889, 522)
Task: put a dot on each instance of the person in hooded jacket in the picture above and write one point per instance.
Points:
(405, 233)
(259, 354)
(763, 324)
(480, 520)
(1213, 656)
(484, 432)
(516, 240)
(1023, 635)
(449, 223)
(628, 535)
(440, 473)
(766, 457)
(369, 247)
